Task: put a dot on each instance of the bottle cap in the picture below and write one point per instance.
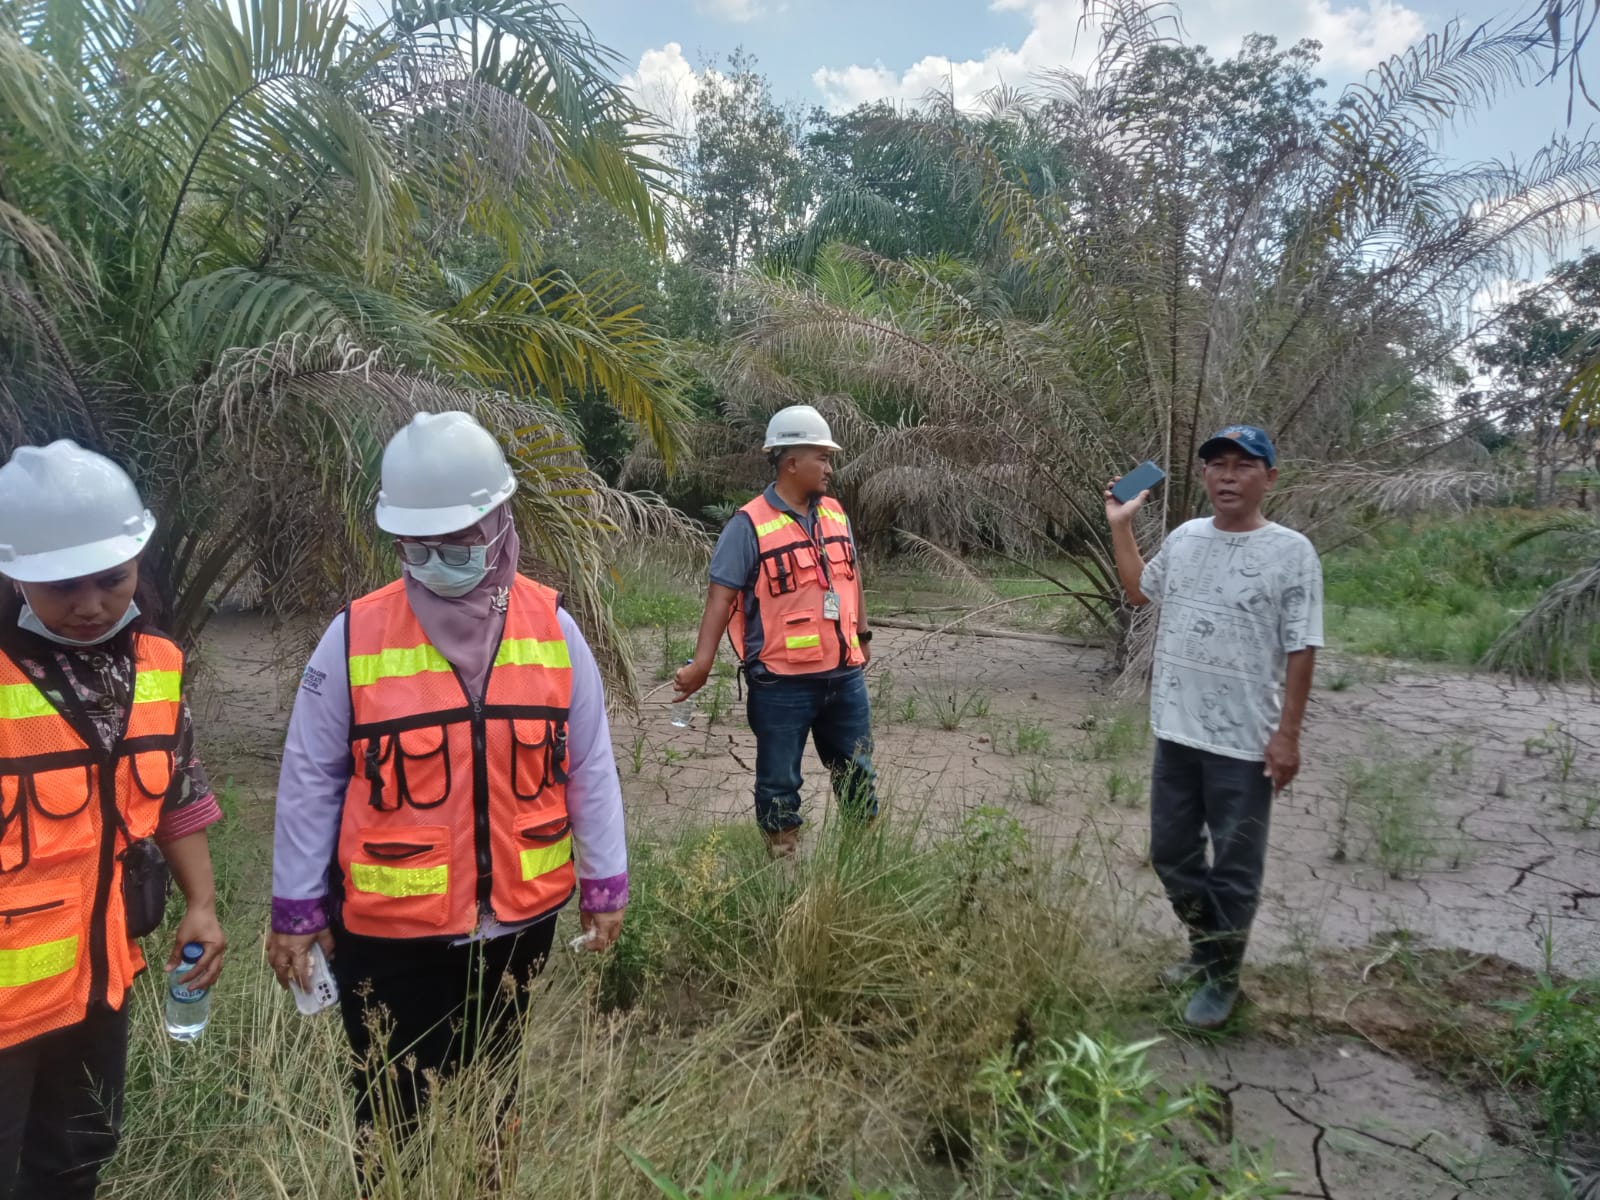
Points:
(193, 952)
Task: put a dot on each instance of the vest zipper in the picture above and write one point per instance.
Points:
(480, 803)
(99, 958)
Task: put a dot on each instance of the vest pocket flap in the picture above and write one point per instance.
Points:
(41, 947)
(400, 873)
(801, 638)
(532, 735)
(551, 831)
(152, 772)
(421, 743)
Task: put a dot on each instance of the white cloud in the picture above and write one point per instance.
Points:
(664, 83)
(739, 11)
(1354, 37)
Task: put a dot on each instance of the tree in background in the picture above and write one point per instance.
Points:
(740, 169)
(240, 245)
(1545, 338)
(1162, 246)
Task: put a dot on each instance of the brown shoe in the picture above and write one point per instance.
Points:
(783, 844)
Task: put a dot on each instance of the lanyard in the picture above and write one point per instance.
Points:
(821, 549)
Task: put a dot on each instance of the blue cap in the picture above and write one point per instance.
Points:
(1251, 440)
(193, 952)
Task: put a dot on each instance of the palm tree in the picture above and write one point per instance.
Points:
(1209, 245)
(241, 243)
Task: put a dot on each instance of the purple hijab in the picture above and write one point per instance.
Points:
(466, 629)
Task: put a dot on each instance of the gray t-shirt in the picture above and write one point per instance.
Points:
(735, 563)
(1233, 607)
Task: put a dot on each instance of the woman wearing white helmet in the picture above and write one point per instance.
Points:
(448, 780)
(97, 771)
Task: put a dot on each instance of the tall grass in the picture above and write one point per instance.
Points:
(1440, 590)
(838, 1025)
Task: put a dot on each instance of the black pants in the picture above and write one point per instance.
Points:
(1196, 796)
(440, 1005)
(61, 1108)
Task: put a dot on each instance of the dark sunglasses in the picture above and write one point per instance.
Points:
(451, 554)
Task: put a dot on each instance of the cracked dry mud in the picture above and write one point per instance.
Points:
(1498, 860)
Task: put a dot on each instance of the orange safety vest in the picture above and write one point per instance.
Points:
(68, 811)
(794, 575)
(457, 805)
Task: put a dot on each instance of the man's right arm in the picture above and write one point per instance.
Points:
(733, 560)
(1124, 546)
(691, 677)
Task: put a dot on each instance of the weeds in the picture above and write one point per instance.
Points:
(1030, 737)
(1121, 788)
(1113, 733)
(1086, 1119)
(1556, 1055)
(952, 706)
(1035, 785)
(1387, 814)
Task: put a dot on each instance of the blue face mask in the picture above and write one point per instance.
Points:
(29, 620)
(447, 581)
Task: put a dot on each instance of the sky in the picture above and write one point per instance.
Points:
(838, 53)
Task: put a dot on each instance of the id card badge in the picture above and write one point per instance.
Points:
(830, 606)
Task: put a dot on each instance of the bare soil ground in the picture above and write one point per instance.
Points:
(1437, 846)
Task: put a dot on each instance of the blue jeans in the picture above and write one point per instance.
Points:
(836, 714)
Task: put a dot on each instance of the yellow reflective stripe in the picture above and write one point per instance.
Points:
(543, 859)
(855, 642)
(34, 963)
(158, 687)
(531, 652)
(834, 516)
(804, 642)
(399, 882)
(366, 669)
(19, 701)
(772, 526)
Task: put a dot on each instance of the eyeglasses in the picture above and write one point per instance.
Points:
(451, 554)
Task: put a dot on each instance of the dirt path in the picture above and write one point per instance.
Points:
(1434, 810)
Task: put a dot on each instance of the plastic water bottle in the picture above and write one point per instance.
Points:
(188, 1009)
(683, 710)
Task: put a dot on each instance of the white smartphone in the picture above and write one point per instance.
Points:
(324, 991)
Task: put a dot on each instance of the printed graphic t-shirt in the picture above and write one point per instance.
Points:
(1233, 607)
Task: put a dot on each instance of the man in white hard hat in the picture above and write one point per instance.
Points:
(447, 781)
(786, 587)
(99, 785)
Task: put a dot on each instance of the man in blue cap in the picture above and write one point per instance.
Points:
(1240, 618)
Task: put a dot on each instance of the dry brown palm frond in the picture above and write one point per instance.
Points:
(1399, 491)
(1558, 636)
(946, 565)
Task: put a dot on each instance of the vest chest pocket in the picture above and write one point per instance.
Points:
(408, 769)
(152, 772)
(400, 874)
(41, 948)
(538, 757)
(59, 824)
(841, 559)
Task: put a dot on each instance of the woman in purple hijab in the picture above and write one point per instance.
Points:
(447, 780)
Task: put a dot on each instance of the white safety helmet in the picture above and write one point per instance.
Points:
(66, 512)
(442, 473)
(799, 425)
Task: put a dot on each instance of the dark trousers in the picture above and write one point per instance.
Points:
(1198, 797)
(440, 1005)
(835, 714)
(61, 1108)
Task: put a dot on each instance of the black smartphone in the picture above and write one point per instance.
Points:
(1143, 477)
